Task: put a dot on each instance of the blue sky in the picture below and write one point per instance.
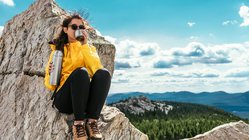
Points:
(144, 20)
(192, 45)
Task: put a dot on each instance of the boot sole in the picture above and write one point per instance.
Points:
(94, 139)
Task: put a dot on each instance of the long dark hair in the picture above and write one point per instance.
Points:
(62, 39)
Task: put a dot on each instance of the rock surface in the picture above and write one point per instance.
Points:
(141, 104)
(25, 105)
(231, 131)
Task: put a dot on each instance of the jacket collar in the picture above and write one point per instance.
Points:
(74, 43)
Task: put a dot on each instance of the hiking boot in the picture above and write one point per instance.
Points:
(93, 130)
(79, 132)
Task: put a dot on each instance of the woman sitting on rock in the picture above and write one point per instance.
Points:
(84, 82)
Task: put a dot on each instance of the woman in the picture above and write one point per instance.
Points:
(84, 82)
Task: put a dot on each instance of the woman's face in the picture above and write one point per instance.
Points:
(70, 32)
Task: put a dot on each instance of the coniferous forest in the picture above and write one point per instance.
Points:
(184, 121)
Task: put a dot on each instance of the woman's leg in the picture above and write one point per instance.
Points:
(63, 99)
(80, 90)
(99, 88)
(73, 95)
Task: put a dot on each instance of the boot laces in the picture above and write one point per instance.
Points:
(80, 131)
(94, 126)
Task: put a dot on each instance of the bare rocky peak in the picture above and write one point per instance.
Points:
(141, 104)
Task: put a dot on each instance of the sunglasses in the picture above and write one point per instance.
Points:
(75, 27)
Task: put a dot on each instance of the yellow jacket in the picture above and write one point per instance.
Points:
(75, 55)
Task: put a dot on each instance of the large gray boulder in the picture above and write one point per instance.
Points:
(25, 105)
(230, 131)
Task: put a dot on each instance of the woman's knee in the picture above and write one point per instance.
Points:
(81, 72)
(102, 72)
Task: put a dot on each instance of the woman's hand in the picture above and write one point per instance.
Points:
(50, 69)
(85, 37)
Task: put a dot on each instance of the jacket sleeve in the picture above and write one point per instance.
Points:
(91, 59)
(47, 76)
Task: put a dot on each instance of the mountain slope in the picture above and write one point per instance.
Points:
(234, 103)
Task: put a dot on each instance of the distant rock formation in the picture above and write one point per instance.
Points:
(231, 131)
(141, 104)
(25, 105)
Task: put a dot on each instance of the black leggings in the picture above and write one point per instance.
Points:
(81, 96)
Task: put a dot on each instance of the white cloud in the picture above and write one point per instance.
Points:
(192, 49)
(202, 73)
(230, 22)
(1, 30)
(125, 63)
(169, 62)
(193, 73)
(237, 53)
(238, 72)
(132, 49)
(191, 24)
(244, 13)
(127, 49)
(132, 54)
(149, 49)
(120, 80)
(111, 39)
(196, 52)
(195, 67)
(8, 2)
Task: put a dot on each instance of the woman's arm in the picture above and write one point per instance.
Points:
(91, 59)
(47, 76)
